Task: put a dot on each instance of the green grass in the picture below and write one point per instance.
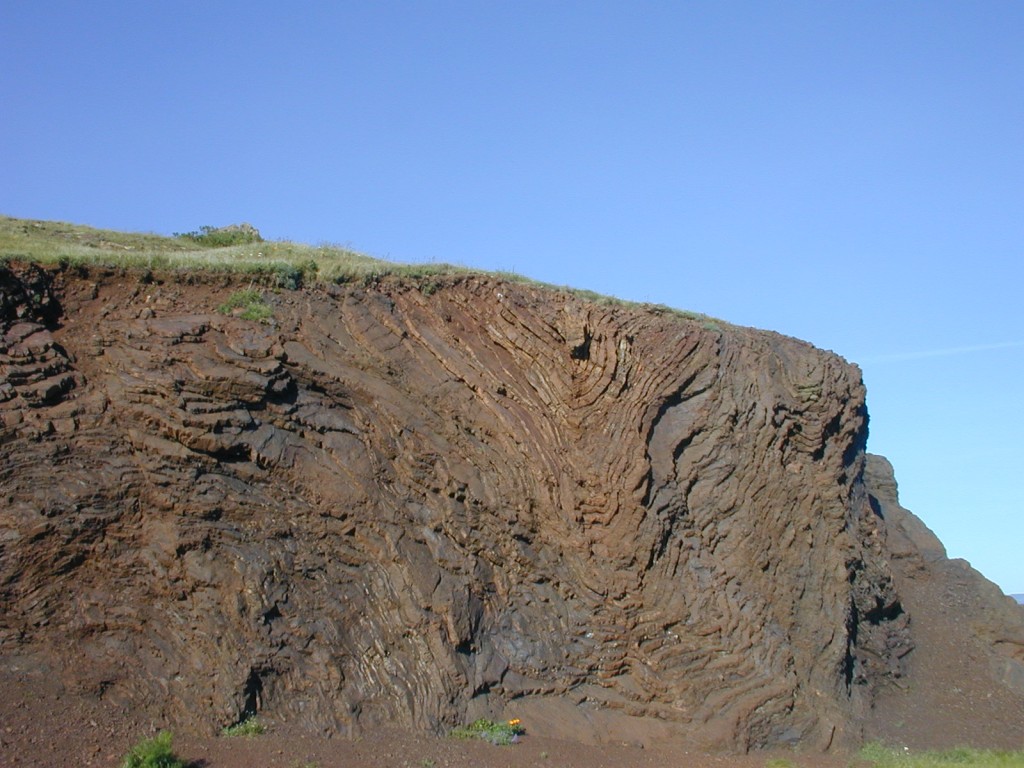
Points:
(153, 753)
(882, 756)
(275, 263)
(248, 727)
(280, 263)
(214, 237)
(502, 734)
(248, 305)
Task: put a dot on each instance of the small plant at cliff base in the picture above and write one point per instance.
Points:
(153, 753)
(248, 305)
(497, 733)
(881, 756)
(248, 727)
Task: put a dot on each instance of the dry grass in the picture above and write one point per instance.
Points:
(280, 263)
(292, 263)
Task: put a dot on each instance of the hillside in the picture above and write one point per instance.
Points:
(417, 498)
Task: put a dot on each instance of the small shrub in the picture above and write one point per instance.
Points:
(488, 730)
(309, 270)
(288, 276)
(248, 727)
(248, 305)
(221, 237)
(153, 753)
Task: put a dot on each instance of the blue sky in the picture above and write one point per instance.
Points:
(847, 173)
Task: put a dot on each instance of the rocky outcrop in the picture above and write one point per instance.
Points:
(964, 682)
(395, 505)
(36, 370)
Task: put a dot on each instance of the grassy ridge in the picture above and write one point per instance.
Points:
(294, 264)
(279, 262)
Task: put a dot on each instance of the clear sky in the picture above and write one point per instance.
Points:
(847, 173)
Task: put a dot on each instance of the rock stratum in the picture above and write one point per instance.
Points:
(419, 505)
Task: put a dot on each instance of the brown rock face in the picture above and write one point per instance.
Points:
(417, 507)
(964, 682)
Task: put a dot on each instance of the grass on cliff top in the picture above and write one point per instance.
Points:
(881, 756)
(291, 264)
(282, 263)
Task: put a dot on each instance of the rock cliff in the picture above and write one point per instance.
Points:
(421, 504)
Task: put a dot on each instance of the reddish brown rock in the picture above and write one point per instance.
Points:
(964, 682)
(388, 507)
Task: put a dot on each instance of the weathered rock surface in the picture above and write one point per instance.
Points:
(493, 500)
(964, 682)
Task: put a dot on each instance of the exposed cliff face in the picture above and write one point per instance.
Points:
(423, 506)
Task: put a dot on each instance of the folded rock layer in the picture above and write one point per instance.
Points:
(421, 504)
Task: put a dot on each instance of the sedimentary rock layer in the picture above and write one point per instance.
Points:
(418, 505)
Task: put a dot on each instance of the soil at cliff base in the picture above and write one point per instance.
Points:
(44, 726)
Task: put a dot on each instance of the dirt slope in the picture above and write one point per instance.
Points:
(414, 506)
(964, 681)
